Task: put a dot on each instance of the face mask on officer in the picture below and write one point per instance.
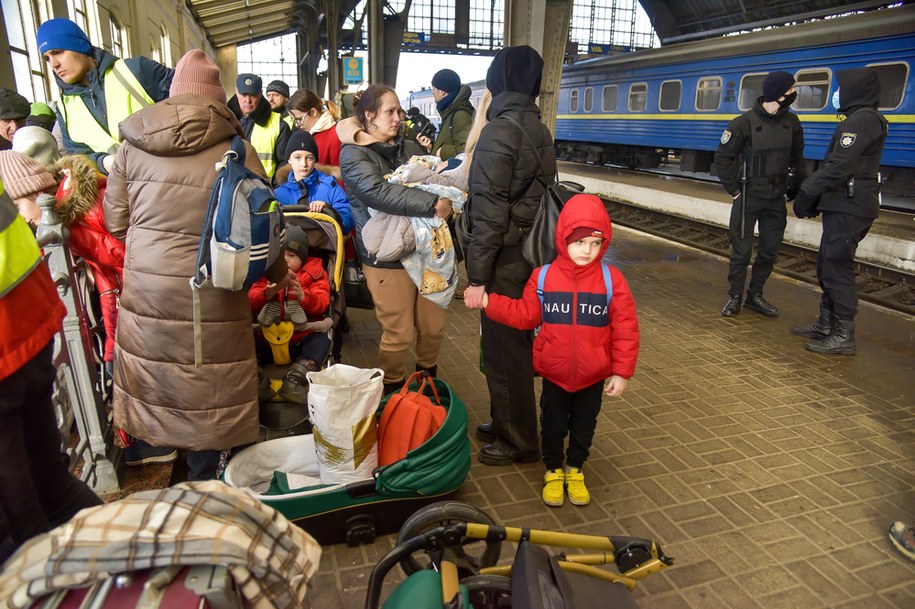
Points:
(789, 99)
(835, 100)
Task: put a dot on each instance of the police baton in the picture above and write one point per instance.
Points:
(743, 198)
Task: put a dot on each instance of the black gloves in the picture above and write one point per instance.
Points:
(791, 193)
(805, 205)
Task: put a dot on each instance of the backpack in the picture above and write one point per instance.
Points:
(243, 231)
(242, 234)
(608, 282)
(409, 419)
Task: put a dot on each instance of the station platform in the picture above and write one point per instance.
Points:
(769, 472)
(890, 243)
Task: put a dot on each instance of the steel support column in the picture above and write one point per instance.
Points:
(544, 25)
(376, 41)
(332, 22)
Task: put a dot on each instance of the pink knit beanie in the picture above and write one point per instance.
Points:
(23, 176)
(195, 73)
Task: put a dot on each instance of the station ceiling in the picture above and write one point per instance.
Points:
(236, 21)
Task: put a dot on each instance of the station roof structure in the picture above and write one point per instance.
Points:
(236, 21)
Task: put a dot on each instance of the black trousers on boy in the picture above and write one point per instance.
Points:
(568, 413)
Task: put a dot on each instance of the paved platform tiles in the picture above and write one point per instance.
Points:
(770, 473)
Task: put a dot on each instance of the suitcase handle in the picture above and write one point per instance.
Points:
(154, 588)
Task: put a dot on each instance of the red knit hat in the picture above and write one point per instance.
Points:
(23, 176)
(582, 232)
(195, 73)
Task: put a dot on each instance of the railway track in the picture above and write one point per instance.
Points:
(886, 287)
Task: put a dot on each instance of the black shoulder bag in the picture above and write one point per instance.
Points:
(538, 245)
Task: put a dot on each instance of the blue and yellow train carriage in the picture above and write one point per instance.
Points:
(636, 109)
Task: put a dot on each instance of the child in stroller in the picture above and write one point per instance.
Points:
(286, 312)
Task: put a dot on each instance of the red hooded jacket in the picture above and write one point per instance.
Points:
(315, 286)
(80, 199)
(580, 342)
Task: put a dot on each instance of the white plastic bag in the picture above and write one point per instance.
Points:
(342, 401)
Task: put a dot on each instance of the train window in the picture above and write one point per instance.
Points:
(812, 89)
(893, 77)
(638, 97)
(589, 99)
(708, 93)
(750, 90)
(608, 98)
(573, 100)
(669, 101)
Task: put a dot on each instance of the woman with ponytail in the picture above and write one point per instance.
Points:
(318, 117)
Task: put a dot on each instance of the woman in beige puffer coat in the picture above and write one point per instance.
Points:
(157, 198)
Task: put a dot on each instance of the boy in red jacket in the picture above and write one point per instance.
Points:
(587, 334)
(304, 296)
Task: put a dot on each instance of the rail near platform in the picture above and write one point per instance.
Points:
(890, 288)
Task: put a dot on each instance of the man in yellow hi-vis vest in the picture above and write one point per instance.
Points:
(98, 90)
(264, 128)
(37, 490)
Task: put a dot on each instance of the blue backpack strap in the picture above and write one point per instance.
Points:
(238, 147)
(608, 282)
(541, 277)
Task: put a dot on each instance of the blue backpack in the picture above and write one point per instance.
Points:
(608, 282)
(243, 232)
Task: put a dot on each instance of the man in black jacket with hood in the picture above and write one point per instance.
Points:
(506, 186)
(846, 190)
(768, 141)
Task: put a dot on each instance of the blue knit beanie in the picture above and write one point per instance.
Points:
(62, 35)
(447, 80)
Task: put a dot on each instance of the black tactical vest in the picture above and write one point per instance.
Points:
(769, 156)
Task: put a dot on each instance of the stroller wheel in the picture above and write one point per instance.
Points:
(470, 555)
(489, 591)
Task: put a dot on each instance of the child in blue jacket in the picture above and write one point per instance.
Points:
(308, 186)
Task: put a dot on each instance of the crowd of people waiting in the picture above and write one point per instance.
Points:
(139, 143)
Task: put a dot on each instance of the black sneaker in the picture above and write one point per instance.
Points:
(485, 433)
(141, 453)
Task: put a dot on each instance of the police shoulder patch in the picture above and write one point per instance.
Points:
(725, 137)
(847, 140)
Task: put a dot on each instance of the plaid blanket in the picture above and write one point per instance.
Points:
(270, 560)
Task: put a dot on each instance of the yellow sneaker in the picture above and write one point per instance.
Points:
(575, 486)
(553, 488)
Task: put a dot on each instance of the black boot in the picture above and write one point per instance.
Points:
(390, 388)
(759, 304)
(819, 329)
(731, 307)
(432, 370)
(840, 342)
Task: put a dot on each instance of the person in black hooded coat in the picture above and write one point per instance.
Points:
(506, 185)
(845, 189)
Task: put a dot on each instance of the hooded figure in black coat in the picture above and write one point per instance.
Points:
(846, 190)
(506, 185)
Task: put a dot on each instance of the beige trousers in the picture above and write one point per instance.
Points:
(403, 312)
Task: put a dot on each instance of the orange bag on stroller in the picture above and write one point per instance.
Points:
(408, 420)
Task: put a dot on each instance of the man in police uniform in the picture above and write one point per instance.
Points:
(264, 128)
(768, 142)
(846, 190)
(98, 90)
